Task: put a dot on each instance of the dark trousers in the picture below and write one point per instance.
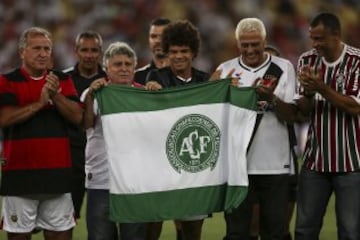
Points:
(315, 189)
(99, 225)
(272, 194)
(78, 178)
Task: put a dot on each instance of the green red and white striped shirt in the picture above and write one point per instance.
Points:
(333, 143)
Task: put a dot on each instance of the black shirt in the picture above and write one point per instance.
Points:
(167, 78)
(77, 135)
(141, 73)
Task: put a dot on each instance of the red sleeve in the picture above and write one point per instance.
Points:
(7, 95)
(68, 89)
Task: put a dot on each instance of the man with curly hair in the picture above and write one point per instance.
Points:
(181, 43)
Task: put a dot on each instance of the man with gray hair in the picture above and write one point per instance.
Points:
(36, 106)
(119, 62)
(269, 156)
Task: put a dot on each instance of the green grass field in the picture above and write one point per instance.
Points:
(213, 228)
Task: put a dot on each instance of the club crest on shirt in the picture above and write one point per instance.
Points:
(193, 144)
(3, 161)
(270, 77)
(89, 176)
(238, 76)
(14, 218)
(340, 78)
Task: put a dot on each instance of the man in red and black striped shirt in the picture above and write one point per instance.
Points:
(35, 106)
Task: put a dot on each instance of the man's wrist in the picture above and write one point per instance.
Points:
(52, 94)
(90, 94)
(273, 102)
(34, 107)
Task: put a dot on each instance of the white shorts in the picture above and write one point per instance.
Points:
(50, 212)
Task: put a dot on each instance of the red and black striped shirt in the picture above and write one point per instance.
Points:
(36, 152)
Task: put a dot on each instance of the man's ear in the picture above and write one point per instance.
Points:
(21, 54)
(238, 44)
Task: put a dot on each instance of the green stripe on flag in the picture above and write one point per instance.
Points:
(244, 97)
(175, 204)
(117, 98)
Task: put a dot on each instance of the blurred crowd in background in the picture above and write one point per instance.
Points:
(128, 20)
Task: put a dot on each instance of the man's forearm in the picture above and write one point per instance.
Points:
(343, 102)
(289, 112)
(89, 116)
(69, 109)
(11, 115)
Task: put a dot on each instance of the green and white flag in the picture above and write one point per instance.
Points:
(177, 152)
